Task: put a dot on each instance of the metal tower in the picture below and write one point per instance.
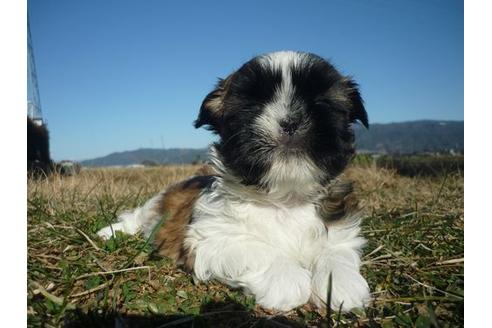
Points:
(33, 99)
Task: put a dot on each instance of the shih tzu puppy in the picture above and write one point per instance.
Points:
(272, 217)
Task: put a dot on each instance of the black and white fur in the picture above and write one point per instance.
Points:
(284, 121)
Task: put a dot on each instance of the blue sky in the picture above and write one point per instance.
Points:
(122, 75)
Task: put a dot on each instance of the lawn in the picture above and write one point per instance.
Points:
(414, 259)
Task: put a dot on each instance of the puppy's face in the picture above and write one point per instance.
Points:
(284, 120)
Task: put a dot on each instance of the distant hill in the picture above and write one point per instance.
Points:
(159, 156)
(411, 137)
(392, 138)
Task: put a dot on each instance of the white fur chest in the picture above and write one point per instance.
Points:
(294, 232)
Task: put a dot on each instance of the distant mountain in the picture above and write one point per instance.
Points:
(411, 137)
(158, 156)
(400, 138)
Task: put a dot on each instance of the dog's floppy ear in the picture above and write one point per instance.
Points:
(357, 110)
(212, 109)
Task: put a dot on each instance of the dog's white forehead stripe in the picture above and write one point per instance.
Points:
(279, 107)
(282, 59)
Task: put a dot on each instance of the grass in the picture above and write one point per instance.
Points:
(414, 259)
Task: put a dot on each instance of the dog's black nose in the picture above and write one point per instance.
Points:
(289, 127)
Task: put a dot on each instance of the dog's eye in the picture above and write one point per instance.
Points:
(328, 103)
(322, 100)
(325, 107)
(322, 104)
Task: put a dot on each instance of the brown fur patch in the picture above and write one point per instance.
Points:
(339, 201)
(205, 170)
(176, 207)
(212, 109)
(215, 103)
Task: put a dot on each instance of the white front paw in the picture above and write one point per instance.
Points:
(105, 233)
(282, 287)
(349, 288)
(108, 232)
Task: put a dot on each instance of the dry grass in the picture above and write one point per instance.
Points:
(413, 261)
